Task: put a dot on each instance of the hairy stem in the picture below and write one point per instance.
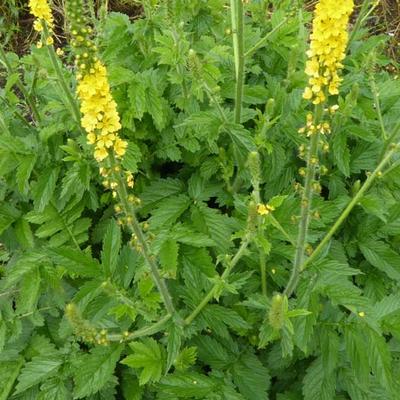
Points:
(146, 331)
(135, 228)
(67, 91)
(306, 201)
(367, 184)
(264, 39)
(237, 14)
(208, 297)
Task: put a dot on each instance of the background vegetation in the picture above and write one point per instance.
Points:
(80, 316)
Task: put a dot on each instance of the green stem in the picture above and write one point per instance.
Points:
(264, 40)
(237, 15)
(378, 106)
(261, 254)
(225, 275)
(305, 208)
(147, 331)
(21, 87)
(367, 184)
(67, 91)
(134, 226)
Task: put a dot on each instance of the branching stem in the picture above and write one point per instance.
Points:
(135, 228)
(208, 297)
(306, 201)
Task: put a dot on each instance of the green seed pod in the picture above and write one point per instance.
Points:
(254, 166)
(270, 107)
(277, 312)
(81, 327)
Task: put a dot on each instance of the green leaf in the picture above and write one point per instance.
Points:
(147, 355)
(169, 210)
(54, 389)
(24, 172)
(132, 157)
(216, 225)
(355, 345)
(111, 246)
(38, 370)
(187, 385)
(76, 262)
(297, 313)
(341, 152)
(160, 189)
(382, 256)
(185, 358)
(174, 343)
(251, 377)
(95, 370)
(45, 186)
(9, 371)
(243, 142)
(8, 214)
(387, 306)
(317, 383)
(29, 292)
(169, 257)
(380, 359)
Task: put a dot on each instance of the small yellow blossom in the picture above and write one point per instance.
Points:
(361, 314)
(264, 209)
(60, 52)
(49, 41)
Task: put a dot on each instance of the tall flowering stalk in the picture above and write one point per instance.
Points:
(327, 50)
(100, 120)
(41, 10)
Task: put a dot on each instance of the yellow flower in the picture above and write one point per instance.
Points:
(49, 41)
(327, 48)
(41, 10)
(60, 52)
(264, 209)
(100, 154)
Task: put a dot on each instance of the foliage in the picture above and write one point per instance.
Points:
(81, 316)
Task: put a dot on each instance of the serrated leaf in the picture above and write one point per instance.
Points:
(187, 385)
(37, 370)
(169, 210)
(380, 359)
(148, 356)
(185, 358)
(76, 262)
(111, 247)
(382, 256)
(24, 171)
(45, 186)
(168, 257)
(8, 214)
(215, 224)
(95, 370)
(243, 142)
(251, 377)
(132, 157)
(317, 384)
(9, 371)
